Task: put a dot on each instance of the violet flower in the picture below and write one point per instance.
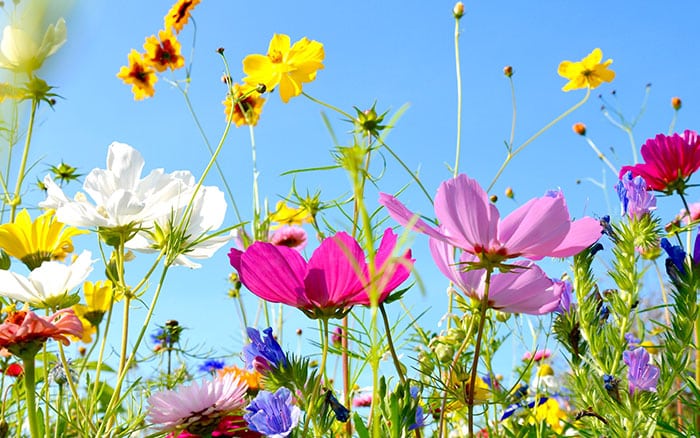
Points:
(635, 197)
(641, 375)
(273, 414)
(263, 354)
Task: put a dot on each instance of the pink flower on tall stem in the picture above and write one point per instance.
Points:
(537, 356)
(24, 332)
(540, 228)
(669, 161)
(335, 278)
(524, 289)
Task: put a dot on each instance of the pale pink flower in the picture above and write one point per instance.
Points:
(290, 236)
(197, 404)
(538, 356)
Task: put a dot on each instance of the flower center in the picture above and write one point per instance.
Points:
(275, 56)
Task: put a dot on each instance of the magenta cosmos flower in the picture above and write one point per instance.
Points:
(335, 278)
(540, 228)
(524, 289)
(197, 408)
(668, 161)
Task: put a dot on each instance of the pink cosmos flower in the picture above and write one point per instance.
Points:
(291, 236)
(668, 161)
(525, 289)
(24, 330)
(194, 408)
(540, 228)
(538, 356)
(335, 278)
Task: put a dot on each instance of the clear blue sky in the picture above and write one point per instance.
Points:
(394, 53)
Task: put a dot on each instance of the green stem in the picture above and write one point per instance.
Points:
(477, 348)
(515, 112)
(392, 350)
(15, 201)
(602, 156)
(455, 170)
(30, 395)
(327, 105)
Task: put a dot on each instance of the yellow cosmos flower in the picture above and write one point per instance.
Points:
(589, 72)
(99, 297)
(246, 103)
(286, 66)
(179, 14)
(42, 240)
(285, 215)
(550, 413)
(163, 52)
(140, 75)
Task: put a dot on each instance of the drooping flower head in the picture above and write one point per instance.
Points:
(163, 52)
(669, 161)
(635, 198)
(641, 375)
(178, 16)
(273, 414)
(198, 407)
(140, 75)
(286, 65)
(262, 354)
(246, 104)
(23, 332)
(38, 241)
(590, 72)
(539, 228)
(24, 50)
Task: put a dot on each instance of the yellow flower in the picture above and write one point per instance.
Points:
(285, 66)
(589, 72)
(163, 52)
(99, 297)
(549, 412)
(284, 215)
(140, 75)
(251, 377)
(179, 14)
(247, 105)
(36, 242)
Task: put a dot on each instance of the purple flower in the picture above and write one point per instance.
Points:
(635, 197)
(419, 421)
(641, 375)
(263, 354)
(632, 341)
(567, 295)
(273, 414)
(211, 365)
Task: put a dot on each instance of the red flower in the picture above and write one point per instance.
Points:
(24, 332)
(668, 161)
(14, 370)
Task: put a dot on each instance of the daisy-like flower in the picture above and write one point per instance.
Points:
(49, 285)
(198, 407)
(24, 51)
(590, 72)
(38, 241)
(286, 215)
(273, 414)
(99, 297)
(286, 65)
(178, 16)
(246, 103)
(163, 52)
(140, 75)
(24, 332)
(669, 161)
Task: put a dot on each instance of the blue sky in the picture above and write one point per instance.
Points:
(392, 53)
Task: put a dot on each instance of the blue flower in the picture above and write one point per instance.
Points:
(515, 407)
(675, 254)
(419, 421)
(273, 414)
(263, 354)
(211, 365)
(641, 376)
(635, 197)
(342, 413)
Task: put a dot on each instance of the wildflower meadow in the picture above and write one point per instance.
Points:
(360, 220)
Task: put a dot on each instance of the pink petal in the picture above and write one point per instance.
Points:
(582, 234)
(527, 291)
(394, 271)
(404, 216)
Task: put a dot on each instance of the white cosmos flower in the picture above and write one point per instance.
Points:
(121, 197)
(48, 284)
(24, 51)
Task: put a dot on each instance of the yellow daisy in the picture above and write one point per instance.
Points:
(163, 52)
(589, 72)
(285, 65)
(179, 14)
(140, 75)
(551, 413)
(36, 242)
(246, 103)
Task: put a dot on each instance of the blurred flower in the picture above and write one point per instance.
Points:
(140, 75)
(211, 366)
(545, 381)
(538, 356)
(262, 354)
(524, 289)
(48, 285)
(540, 228)
(251, 377)
(632, 341)
(634, 196)
(179, 14)
(59, 376)
(675, 254)
(288, 67)
(289, 236)
(233, 426)
(579, 128)
(246, 103)
(13, 370)
(23, 332)
(567, 295)
(362, 400)
(676, 103)
(198, 407)
(520, 407)
(163, 52)
(99, 297)
(682, 216)
(337, 336)
(641, 375)
(273, 414)
(419, 419)
(285, 215)
(550, 413)
(458, 10)
(42, 240)
(669, 161)
(587, 73)
(24, 51)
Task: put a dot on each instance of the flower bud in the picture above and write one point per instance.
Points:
(579, 128)
(508, 71)
(676, 103)
(493, 198)
(458, 10)
(509, 193)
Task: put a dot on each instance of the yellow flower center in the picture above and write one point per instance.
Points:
(275, 56)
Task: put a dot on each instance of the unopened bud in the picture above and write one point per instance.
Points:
(299, 331)
(261, 88)
(226, 79)
(676, 103)
(220, 50)
(579, 128)
(458, 10)
(508, 71)
(493, 198)
(82, 350)
(509, 193)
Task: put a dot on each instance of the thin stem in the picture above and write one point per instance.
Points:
(15, 201)
(600, 155)
(392, 350)
(458, 147)
(256, 195)
(515, 112)
(327, 105)
(520, 148)
(73, 388)
(30, 395)
(477, 349)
